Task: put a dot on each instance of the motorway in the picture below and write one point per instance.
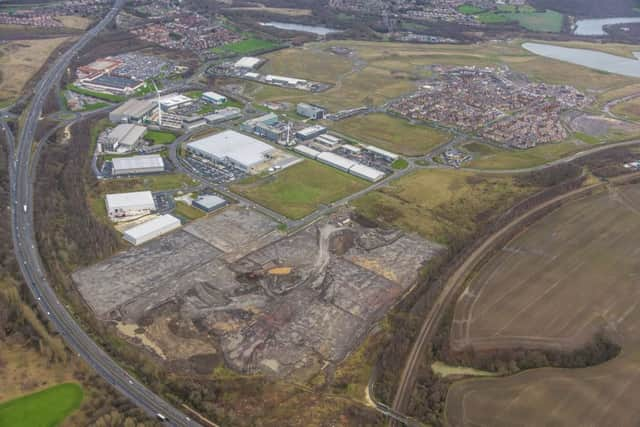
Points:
(22, 163)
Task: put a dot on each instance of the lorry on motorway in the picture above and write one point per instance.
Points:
(25, 208)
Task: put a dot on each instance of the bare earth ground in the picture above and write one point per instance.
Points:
(229, 282)
(570, 275)
(21, 60)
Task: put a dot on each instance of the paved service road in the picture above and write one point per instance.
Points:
(26, 250)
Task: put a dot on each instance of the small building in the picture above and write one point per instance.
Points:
(173, 101)
(328, 140)
(133, 111)
(151, 163)
(247, 62)
(387, 155)
(366, 172)
(122, 205)
(336, 161)
(122, 138)
(252, 75)
(352, 148)
(273, 133)
(267, 119)
(214, 98)
(310, 111)
(284, 81)
(311, 132)
(151, 229)
(193, 122)
(209, 202)
(223, 115)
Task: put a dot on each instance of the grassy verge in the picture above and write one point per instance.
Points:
(400, 164)
(300, 189)
(48, 407)
(392, 133)
(104, 96)
(159, 137)
(188, 212)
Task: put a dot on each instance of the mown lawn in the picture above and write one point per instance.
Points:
(159, 137)
(392, 133)
(46, 408)
(300, 189)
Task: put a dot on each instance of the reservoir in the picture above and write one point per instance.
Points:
(595, 27)
(314, 29)
(600, 61)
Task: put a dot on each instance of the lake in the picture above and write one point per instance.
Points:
(595, 27)
(601, 61)
(315, 29)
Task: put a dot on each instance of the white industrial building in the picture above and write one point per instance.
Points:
(134, 110)
(329, 140)
(306, 151)
(151, 163)
(151, 229)
(209, 202)
(122, 205)
(387, 155)
(214, 98)
(366, 172)
(122, 138)
(173, 101)
(232, 147)
(247, 62)
(224, 114)
(310, 132)
(336, 161)
(288, 81)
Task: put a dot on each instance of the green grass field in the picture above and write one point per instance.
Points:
(246, 46)
(300, 189)
(104, 96)
(492, 158)
(469, 9)
(194, 94)
(548, 21)
(392, 133)
(46, 408)
(159, 137)
(188, 212)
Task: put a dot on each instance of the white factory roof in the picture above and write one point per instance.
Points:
(247, 62)
(380, 151)
(366, 172)
(288, 80)
(311, 130)
(130, 200)
(134, 107)
(138, 162)
(210, 201)
(153, 228)
(223, 114)
(214, 95)
(328, 139)
(127, 134)
(306, 151)
(352, 148)
(251, 75)
(232, 145)
(334, 159)
(174, 100)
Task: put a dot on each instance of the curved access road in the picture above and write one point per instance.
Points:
(455, 282)
(22, 161)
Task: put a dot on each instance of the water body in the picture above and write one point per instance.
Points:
(601, 61)
(595, 27)
(314, 29)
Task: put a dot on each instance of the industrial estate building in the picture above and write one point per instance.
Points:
(151, 229)
(387, 155)
(133, 111)
(209, 202)
(150, 163)
(173, 101)
(267, 126)
(214, 98)
(311, 111)
(285, 81)
(342, 163)
(112, 84)
(311, 132)
(122, 205)
(223, 115)
(248, 62)
(234, 148)
(122, 138)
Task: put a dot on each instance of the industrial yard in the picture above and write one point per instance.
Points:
(279, 305)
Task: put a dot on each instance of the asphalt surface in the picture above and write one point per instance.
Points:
(22, 163)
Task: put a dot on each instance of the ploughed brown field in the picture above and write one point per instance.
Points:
(569, 276)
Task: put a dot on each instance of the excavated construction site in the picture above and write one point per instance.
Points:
(233, 286)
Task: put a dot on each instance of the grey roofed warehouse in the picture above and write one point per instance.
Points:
(133, 110)
(209, 202)
(232, 147)
(138, 164)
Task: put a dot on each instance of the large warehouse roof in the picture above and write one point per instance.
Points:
(127, 134)
(138, 162)
(366, 172)
(234, 146)
(134, 107)
(150, 229)
(247, 62)
(130, 200)
(335, 160)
